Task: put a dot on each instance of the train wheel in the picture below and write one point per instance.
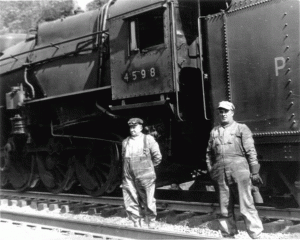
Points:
(97, 170)
(22, 171)
(3, 179)
(4, 164)
(56, 171)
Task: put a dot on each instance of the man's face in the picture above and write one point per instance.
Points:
(226, 116)
(135, 130)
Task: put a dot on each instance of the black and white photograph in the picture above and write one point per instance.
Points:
(149, 119)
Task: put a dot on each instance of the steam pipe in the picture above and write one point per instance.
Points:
(26, 81)
(103, 110)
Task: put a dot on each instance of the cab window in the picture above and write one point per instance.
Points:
(146, 30)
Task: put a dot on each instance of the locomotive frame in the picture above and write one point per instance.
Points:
(68, 91)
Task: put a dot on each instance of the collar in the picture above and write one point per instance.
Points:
(227, 125)
(136, 137)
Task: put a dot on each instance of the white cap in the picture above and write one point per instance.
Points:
(226, 105)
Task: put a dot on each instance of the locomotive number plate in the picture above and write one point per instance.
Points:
(141, 74)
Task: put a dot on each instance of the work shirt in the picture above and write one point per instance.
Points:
(133, 147)
(230, 144)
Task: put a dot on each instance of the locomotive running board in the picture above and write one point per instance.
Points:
(138, 105)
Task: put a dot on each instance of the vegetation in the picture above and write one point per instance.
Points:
(20, 16)
(95, 4)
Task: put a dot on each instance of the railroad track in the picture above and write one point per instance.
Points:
(292, 214)
(76, 204)
(99, 230)
(172, 212)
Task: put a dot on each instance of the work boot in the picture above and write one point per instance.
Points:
(151, 224)
(228, 235)
(255, 236)
(137, 222)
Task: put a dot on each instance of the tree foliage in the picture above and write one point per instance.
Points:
(95, 4)
(20, 16)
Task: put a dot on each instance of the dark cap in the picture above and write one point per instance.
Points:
(226, 105)
(135, 121)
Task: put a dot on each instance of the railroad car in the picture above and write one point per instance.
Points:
(68, 92)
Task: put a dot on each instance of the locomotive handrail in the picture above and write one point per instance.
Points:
(54, 45)
(80, 137)
(94, 90)
(201, 69)
(175, 78)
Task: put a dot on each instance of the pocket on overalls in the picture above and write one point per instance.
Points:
(146, 169)
(238, 143)
(217, 147)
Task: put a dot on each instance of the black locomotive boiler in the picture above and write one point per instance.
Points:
(68, 90)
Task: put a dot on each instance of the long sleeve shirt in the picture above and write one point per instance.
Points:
(134, 147)
(230, 141)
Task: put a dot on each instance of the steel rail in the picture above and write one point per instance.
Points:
(97, 228)
(270, 212)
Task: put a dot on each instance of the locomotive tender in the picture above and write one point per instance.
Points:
(68, 90)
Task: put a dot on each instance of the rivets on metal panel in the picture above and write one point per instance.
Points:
(288, 70)
(291, 104)
(289, 94)
(288, 58)
(286, 48)
(292, 116)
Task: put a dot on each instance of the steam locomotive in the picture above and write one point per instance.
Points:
(68, 90)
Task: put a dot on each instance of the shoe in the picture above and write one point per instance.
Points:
(228, 236)
(231, 235)
(137, 223)
(151, 225)
(255, 236)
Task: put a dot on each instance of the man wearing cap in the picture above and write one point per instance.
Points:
(232, 162)
(140, 154)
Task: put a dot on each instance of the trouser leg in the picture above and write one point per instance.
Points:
(146, 190)
(247, 208)
(131, 200)
(227, 222)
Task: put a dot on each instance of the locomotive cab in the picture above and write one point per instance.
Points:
(156, 70)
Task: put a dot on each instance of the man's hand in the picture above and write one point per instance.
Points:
(256, 179)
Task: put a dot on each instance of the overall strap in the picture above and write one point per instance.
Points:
(126, 144)
(145, 141)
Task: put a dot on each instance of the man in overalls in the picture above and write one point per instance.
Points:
(232, 162)
(140, 154)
